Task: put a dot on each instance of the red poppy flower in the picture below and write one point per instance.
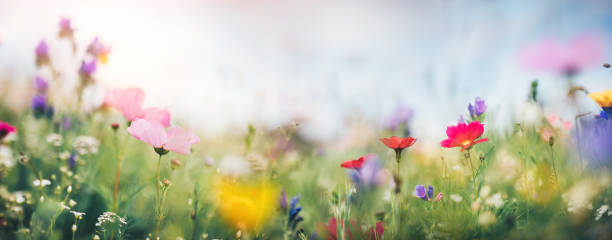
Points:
(355, 164)
(464, 135)
(398, 143)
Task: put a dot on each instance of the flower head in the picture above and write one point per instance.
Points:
(42, 52)
(40, 106)
(356, 163)
(66, 29)
(595, 136)
(41, 84)
(566, 58)
(370, 174)
(464, 135)
(6, 129)
(604, 99)
(175, 139)
(427, 194)
(397, 143)
(88, 68)
(246, 206)
(478, 108)
(129, 102)
(98, 50)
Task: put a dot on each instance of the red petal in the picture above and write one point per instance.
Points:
(392, 142)
(407, 142)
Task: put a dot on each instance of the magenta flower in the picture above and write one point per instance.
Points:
(129, 102)
(66, 29)
(176, 139)
(42, 52)
(98, 50)
(566, 58)
(6, 129)
(88, 68)
(41, 84)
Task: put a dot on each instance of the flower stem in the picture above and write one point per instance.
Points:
(469, 159)
(157, 183)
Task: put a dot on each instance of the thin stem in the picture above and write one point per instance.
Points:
(157, 183)
(469, 159)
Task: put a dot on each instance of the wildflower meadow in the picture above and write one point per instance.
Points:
(76, 165)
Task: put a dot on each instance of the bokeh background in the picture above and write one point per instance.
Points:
(219, 65)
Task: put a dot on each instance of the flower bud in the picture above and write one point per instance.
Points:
(175, 163)
(114, 126)
(23, 159)
(69, 189)
(74, 227)
(166, 182)
(606, 65)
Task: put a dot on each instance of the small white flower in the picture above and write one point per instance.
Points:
(456, 197)
(86, 145)
(78, 215)
(495, 200)
(601, 211)
(486, 218)
(72, 203)
(55, 139)
(64, 155)
(64, 206)
(43, 183)
(484, 191)
(69, 189)
(74, 227)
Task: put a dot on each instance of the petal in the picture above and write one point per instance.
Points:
(158, 115)
(475, 130)
(392, 142)
(419, 191)
(128, 101)
(406, 142)
(180, 141)
(480, 140)
(430, 192)
(143, 130)
(448, 143)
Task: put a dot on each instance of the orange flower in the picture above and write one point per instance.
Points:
(397, 143)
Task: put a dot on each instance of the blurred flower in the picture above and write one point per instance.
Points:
(6, 129)
(55, 139)
(43, 183)
(294, 211)
(66, 29)
(98, 50)
(399, 118)
(42, 53)
(129, 102)
(495, 200)
(330, 230)
(246, 206)
(595, 138)
(6, 157)
(88, 68)
(66, 122)
(551, 55)
(398, 144)
(369, 174)
(464, 136)
(604, 210)
(477, 109)
(486, 218)
(456, 197)
(86, 145)
(41, 107)
(356, 163)
(41, 84)
(604, 99)
(420, 192)
(176, 139)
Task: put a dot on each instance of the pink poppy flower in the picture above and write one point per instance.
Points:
(464, 135)
(176, 139)
(129, 102)
(566, 58)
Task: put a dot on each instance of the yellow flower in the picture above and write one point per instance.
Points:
(246, 206)
(604, 99)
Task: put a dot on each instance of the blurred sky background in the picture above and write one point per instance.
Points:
(219, 64)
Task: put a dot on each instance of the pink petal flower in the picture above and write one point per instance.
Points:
(128, 101)
(157, 115)
(439, 197)
(180, 141)
(151, 133)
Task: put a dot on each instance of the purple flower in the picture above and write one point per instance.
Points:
(88, 68)
(41, 84)
(370, 175)
(39, 103)
(425, 194)
(461, 120)
(66, 122)
(400, 117)
(72, 160)
(478, 108)
(98, 50)
(283, 199)
(294, 211)
(595, 136)
(42, 52)
(66, 29)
